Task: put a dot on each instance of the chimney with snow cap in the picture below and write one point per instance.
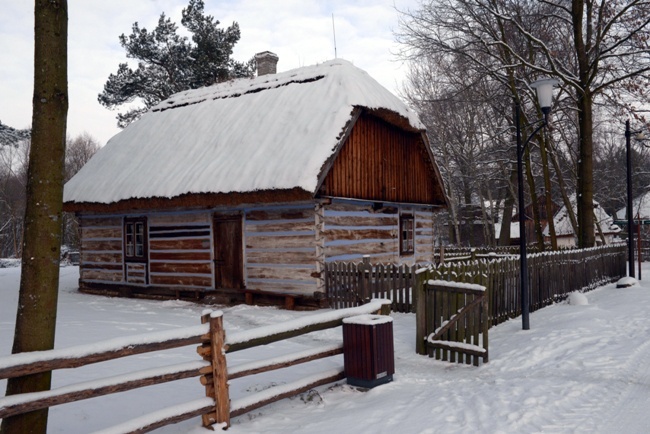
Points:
(267, 63)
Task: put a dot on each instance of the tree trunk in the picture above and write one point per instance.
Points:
(586, 235)
(585, 188)
(547, 187)
(39, 283)
(533, 200)
(508, 204)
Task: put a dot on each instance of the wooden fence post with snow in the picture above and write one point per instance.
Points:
(420, 319)
(365, 270)
(215, 377)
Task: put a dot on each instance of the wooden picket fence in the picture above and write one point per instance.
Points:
(352, 284)
(551, 275)
(216, 407)
(452, 322)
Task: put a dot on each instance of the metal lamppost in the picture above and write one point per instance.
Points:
(545, 97)
(639, 136)
(630, 215)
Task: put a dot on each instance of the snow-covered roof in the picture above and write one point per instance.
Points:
(514, 230)
(640, 207)
(562, 222)
(264, 133)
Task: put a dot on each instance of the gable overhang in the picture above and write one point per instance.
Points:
(391, 118)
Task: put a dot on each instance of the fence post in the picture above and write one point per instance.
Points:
(364, 279)
(218, 387)
(420, 312)
(484, 320)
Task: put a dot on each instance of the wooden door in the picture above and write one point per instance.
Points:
(228, 252)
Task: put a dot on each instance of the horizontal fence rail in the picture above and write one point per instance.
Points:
(16, 365)
(216, 377)
(212, 371)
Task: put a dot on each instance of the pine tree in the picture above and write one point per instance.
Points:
(170, 63)
(11, 136)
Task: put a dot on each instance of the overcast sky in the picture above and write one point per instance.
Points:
(299, 31)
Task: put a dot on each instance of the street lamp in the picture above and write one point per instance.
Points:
(639, 136)
(544, 90)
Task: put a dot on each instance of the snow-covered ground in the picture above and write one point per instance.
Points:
(583, 367)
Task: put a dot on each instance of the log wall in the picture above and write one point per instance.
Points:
(280, 253)
(180, 250)
(423, 236)
(353, 230)
(101, 249)
(285, 246)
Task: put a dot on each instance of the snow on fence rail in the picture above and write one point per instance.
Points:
(215, 379)
(212, 370)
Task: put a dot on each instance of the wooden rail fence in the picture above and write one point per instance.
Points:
(452, 321)
(213, 371)
(552, 275)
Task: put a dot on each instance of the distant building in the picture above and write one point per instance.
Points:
(605, 229)
(474, 230)
(529, 221)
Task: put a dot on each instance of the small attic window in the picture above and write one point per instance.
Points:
(407, 234)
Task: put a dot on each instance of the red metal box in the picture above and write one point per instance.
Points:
(368, 353)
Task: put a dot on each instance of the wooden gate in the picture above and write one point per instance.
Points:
(452, 321)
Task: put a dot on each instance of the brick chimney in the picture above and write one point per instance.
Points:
(267, 63)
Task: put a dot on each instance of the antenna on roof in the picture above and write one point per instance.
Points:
(334, 32)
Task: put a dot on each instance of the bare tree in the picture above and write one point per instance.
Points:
(596, 49)
(77, 153)
(39, 282)
(461, 128)
(13, 180)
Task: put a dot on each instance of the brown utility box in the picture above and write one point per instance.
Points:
(368, 353)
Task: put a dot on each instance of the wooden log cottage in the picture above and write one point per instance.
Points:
(245, 189)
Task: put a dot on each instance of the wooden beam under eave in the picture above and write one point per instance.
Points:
(193, 201)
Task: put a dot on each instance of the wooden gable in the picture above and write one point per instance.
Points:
(382, 162)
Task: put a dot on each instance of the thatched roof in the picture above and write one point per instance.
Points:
(273, 132)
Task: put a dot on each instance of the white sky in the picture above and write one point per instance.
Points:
(299, 31)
